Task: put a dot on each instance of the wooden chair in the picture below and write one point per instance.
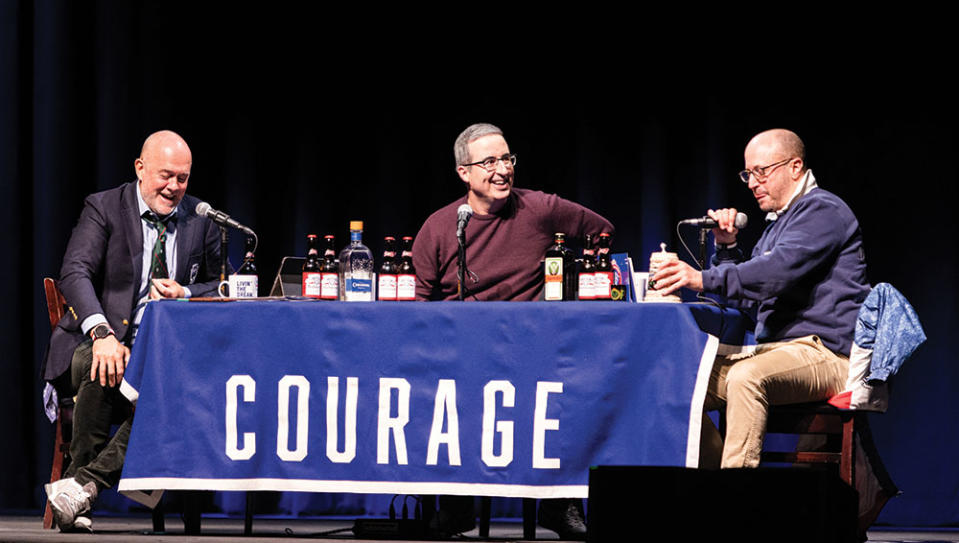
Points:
(56, 309)
(817, 418)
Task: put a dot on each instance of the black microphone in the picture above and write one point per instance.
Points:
(707, 222)
(463, 214)
(203, 209)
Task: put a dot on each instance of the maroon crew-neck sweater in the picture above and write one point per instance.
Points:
(504, 249)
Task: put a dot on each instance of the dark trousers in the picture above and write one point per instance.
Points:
(95, 456)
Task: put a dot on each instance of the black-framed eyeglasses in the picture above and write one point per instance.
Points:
(489, 163)
(761, 172)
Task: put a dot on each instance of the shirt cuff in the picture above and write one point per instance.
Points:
(187, 293)
(91, 322)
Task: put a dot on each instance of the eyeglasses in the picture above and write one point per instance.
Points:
(489, 163)
(761, 172)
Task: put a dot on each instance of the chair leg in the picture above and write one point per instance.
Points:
(61, 450)
(529, 518)
(847, 462)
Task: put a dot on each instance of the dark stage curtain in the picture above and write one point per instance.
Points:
(295, 131)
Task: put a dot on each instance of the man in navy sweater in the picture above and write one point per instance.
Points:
(806, 278)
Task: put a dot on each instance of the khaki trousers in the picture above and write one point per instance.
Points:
(796, 371)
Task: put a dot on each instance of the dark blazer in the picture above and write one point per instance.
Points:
(104, 259)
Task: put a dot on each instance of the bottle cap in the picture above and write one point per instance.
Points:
(356, 225)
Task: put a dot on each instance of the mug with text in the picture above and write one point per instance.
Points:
(238, 286)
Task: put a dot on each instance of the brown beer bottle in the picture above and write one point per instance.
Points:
(329, 271)
(311, 269)
(604, 270)
(386, 281)
(587, 270)
(406, 274)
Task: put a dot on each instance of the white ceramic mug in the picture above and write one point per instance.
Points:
(239, 286)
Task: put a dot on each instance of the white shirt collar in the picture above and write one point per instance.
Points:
(805, 186)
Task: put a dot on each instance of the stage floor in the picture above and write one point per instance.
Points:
(215, 530)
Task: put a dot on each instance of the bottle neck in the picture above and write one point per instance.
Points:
(356, 236)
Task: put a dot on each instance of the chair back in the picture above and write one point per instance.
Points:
(56, 303)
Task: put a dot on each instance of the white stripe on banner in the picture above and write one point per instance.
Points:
(699, 398)
(130, 486)
(713, 349)
(131, 393)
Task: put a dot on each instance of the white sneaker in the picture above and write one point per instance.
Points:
(82, 524)
(68, 500)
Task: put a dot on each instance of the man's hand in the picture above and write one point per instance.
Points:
(110, 358)
(673, 275)
(725, 231)
(166, 288)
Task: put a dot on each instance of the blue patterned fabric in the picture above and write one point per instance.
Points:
(888, 325)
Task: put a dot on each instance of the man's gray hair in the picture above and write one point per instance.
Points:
(473, 132)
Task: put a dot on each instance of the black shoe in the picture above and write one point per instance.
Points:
(563, 516)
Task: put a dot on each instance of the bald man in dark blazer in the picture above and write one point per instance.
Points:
(113, 265)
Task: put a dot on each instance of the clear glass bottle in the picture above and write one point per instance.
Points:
(356, 268)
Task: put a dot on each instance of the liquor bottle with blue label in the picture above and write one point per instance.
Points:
(356, 268)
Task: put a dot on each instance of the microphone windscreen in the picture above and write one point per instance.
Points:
(464, 210)
(202, 209)
(741, 220)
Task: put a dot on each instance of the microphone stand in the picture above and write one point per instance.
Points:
(702, 247)
(223, 251)
(461, 261)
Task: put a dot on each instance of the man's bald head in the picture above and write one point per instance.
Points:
(163, 169)
(776, 162)
(166, 142)
(781, 142)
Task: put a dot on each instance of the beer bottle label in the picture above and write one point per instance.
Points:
(554, 278)
(386, 287)
(603, 285)
(311, 284)
(329, 286)
(587, 288)
(406, 287)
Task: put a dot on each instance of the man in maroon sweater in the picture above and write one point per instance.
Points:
(508, 234)
(506, 240)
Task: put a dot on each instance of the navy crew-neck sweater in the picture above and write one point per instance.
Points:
(807, 273)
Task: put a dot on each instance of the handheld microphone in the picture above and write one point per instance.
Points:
(204, 210)
(707, 222)
(463, 214)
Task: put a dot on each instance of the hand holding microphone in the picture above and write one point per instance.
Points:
(725, 223)
(728, 223)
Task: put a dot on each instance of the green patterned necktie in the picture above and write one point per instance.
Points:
(158, 267)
